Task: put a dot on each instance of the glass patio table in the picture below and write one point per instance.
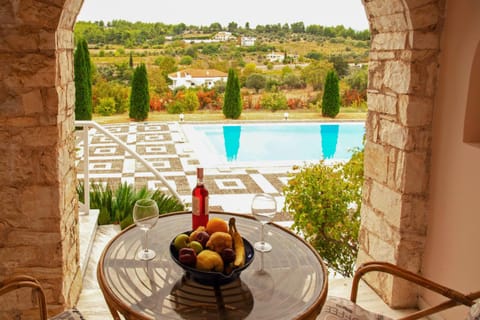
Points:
(294, 285)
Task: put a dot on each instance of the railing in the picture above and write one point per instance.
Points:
(86, 125)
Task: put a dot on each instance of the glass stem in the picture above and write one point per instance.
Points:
(145, 247)
(263, 236)
(261, 261)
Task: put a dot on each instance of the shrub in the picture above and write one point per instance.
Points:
(209, 99)
(256, 81)
(325, 203)
(156, 103)
(116, 206)
(296, 103)
(175, 107)
(190, 101)
(186, 60)
(106, 106)
(274, 101)
(293, 81)
(351, 96)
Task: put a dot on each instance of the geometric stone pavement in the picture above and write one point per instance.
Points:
(168, 151)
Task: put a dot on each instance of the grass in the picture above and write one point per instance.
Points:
(247, 115)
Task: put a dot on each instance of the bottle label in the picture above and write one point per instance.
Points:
(196, 206)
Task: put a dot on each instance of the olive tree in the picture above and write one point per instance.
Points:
(325, 202)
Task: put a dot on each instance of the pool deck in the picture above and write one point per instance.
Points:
(164, 145)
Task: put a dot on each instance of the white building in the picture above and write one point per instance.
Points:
(224, 36)
(275, 56)
(189, 78)
(247, 41)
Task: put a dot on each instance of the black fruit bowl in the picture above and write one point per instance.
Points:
(212, 278)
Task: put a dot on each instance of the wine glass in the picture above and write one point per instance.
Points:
(264, 208)
(145, 216)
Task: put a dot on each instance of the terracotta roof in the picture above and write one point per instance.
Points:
(199, 73)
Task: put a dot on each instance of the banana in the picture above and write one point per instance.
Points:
(237, 244)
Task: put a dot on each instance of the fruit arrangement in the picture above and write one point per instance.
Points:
(216, 247)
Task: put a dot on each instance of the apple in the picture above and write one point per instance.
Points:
(228, 255)
(202, 237)
(181, 241)
(187, 256)
(195, 245)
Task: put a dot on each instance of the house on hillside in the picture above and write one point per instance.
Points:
(189, 78)
(224, 36)
(247, 41)
(275, 56)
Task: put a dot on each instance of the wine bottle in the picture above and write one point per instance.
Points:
(199, 202)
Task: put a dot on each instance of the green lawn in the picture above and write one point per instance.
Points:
(293, 115)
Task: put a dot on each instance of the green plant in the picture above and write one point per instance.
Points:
(83, 82)
(232, 104)
(106, 106)
(175, 107)
(256, 81)
(190, 101)
(101, 197)
(140, 97)
(274, 101)
(123, 201)
(116, 205)
(325, 202)
(331, 96)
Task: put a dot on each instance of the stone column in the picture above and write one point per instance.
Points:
(402, 81)
(39, 217)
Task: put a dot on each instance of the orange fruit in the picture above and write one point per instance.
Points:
(215, 225)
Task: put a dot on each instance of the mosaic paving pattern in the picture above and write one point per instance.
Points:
(166, 149)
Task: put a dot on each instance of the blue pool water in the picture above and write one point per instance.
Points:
(276, 141)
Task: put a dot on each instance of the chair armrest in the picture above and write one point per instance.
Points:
(455, 297)
(22, 281)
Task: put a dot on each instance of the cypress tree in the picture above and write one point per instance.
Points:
(232, 103)
(130, 61)
(139, 97)
(83, 82)
(331, 96)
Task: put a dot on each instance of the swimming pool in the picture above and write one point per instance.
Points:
(274, 142)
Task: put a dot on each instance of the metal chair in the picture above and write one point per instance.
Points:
(339, 308)
(22, 281)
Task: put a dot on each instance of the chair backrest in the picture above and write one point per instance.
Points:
(22, 281)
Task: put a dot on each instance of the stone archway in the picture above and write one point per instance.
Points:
(402, 81)
(39, 223)
(39, 216)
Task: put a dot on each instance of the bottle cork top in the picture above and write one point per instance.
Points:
(200, 173)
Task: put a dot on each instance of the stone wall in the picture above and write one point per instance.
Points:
(402, 81)
(39, 216)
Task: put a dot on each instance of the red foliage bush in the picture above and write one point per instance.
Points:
(352, 96)
(159, 103)
(296, 103)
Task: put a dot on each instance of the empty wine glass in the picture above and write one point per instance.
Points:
(145, 216)
(264, 208)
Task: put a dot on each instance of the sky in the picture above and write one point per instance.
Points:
(349, 13)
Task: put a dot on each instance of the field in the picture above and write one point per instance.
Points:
(356, 51)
